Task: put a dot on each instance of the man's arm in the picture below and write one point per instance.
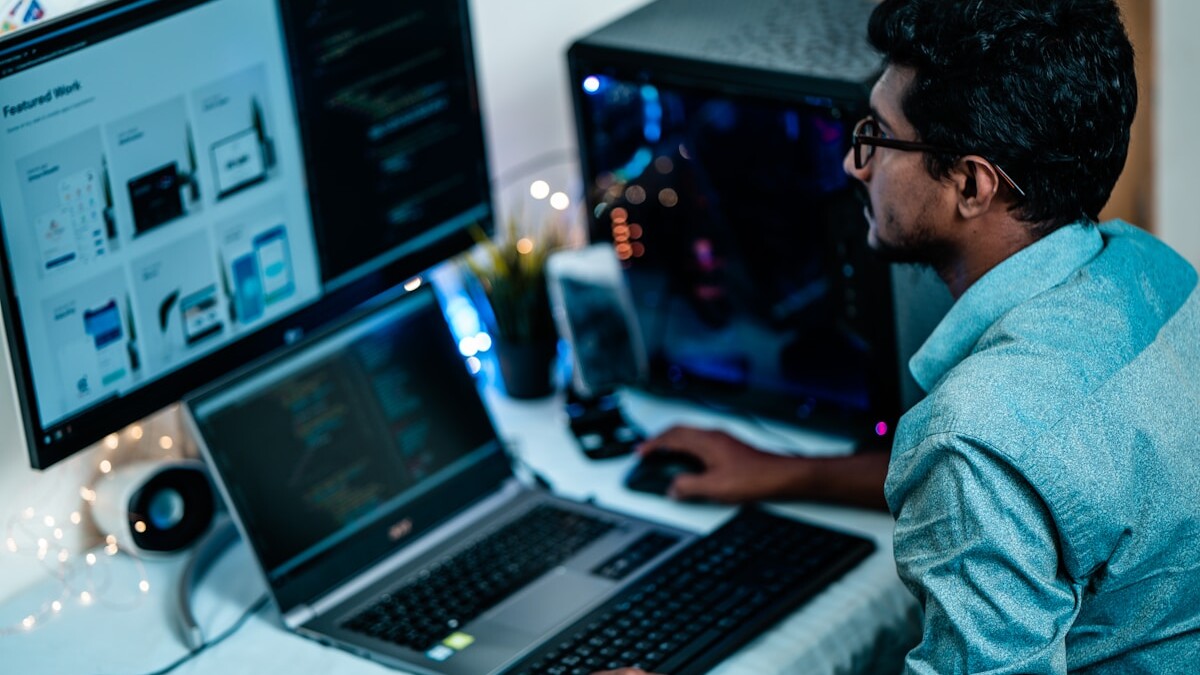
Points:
(736, 472)
(979, 549)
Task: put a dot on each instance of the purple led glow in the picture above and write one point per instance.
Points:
(881, 428)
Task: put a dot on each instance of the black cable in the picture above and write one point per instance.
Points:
(250, 611)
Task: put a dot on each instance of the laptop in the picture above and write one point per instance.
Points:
(367, 478)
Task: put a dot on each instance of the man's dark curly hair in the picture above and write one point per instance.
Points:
(1043, 88)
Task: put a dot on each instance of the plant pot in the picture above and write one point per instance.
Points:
(526, 367)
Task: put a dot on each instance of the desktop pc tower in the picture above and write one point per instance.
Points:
(711, 139)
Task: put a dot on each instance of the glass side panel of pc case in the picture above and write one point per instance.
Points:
(744, 244)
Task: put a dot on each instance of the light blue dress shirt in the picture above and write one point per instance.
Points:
(1047, 490)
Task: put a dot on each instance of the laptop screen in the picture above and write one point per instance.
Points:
(350, 442)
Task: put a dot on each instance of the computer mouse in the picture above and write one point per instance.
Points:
(655, 472)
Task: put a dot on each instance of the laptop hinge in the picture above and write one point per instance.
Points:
(451, 528)
(300, 615)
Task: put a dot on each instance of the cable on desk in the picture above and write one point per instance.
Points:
(250, 611)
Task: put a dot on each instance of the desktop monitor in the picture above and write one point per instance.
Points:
(712, 146)
(186, 185)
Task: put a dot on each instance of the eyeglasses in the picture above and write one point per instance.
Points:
(866, 138)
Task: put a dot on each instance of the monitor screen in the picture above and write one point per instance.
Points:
(742, 242)
(189, 184)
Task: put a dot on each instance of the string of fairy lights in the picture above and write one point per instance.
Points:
(86, 579)
(84, 575)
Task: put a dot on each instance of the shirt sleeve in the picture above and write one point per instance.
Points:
(978, 548)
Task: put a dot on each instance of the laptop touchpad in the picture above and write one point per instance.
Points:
(550, 600)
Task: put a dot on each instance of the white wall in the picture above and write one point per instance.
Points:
(1177, 133)
(520, 47)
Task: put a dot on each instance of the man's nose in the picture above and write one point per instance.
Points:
(853, 171)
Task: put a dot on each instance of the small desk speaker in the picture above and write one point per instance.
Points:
(155, 507)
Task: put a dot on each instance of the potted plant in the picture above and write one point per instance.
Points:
(509, 270)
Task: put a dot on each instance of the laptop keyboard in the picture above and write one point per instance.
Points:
(692, 611)
(440, 599)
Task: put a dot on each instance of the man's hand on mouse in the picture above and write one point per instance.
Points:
(733, 471)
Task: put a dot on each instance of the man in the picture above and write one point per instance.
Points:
(1047, 489)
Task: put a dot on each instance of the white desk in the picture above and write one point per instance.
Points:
(863, 623)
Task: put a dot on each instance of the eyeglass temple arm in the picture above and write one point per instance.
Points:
(925, 147)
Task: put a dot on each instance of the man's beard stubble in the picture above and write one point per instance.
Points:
(917, 246)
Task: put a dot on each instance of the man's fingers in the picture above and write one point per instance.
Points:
(697, 442)
(692, 486)
(667, 439)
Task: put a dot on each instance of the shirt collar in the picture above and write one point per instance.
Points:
(1028, 272)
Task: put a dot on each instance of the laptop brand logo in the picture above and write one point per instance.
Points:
(400, 530)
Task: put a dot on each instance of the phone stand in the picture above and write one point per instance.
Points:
(599, 425)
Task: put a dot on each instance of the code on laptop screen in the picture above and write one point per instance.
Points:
(329, 439)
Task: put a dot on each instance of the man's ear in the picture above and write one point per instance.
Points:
(976, 183)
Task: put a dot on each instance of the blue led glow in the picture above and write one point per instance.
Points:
(652, 114)
(791, 122)
(464, 319)
(636, 165)
(591, 84)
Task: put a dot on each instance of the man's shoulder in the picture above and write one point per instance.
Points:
(1076, 335)
(1004, 396)
(1087, 391)
(1043, 359)
(1134, 275)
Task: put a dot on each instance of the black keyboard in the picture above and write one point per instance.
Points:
(689, 613)
(440, 599)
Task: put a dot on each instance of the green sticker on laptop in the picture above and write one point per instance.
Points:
(459, 641)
